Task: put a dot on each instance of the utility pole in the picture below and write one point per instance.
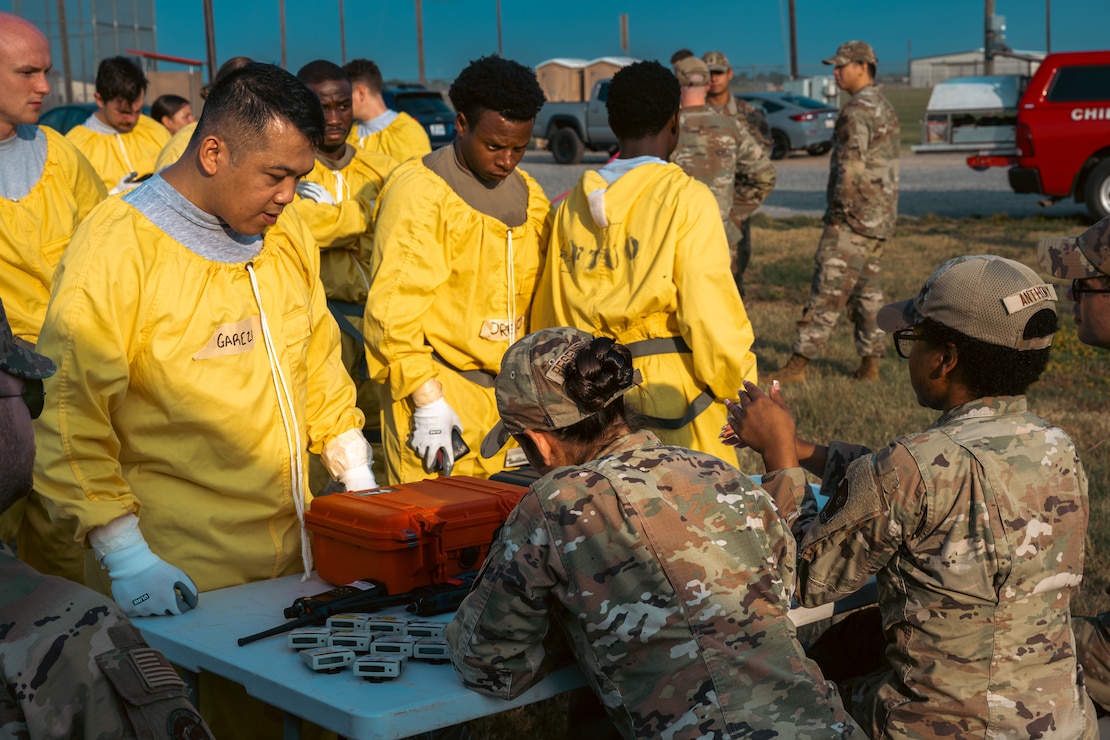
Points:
(499, 50)
(988, 37)
(793, 41)
(281, 12)
(342, 37)
(624, 33)
(210, 39)
(1048, 26)
(420, 41)
(63, 38)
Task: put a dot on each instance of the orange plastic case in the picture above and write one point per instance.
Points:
(410, 535)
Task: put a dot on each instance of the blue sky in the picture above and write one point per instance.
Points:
(749, 32)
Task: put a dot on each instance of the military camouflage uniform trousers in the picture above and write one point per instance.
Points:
(862, 195)
(848, 273)
(74, 666)
(974, 532)
(670, 575)
(738, 223)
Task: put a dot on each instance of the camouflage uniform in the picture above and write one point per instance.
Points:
(717, 150)
(74, 666)
(670, 575)
(862, 208)
(974, 530)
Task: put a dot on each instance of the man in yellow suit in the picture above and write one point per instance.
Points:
(337, 202)
(198, 363)
(46, 188)
(459, 237)
(638, 253)
(381, 129)
(121, 143)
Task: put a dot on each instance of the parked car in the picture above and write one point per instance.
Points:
(427, 107)
(64, 117)
(572, 128)
(797, 122)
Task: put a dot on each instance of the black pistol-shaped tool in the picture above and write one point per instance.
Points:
(459, 448)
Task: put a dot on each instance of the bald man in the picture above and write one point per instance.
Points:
(46, 188)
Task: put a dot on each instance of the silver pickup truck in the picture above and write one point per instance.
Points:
(572, 128)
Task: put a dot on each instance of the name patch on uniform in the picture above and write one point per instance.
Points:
(497, 330)
(557, 372)
(231, 339)
(1029, 297)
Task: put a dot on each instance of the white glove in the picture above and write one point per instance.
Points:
(432, 425)
(358, 479)
(314, 191)
(142, 583)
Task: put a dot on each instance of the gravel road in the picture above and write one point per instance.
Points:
(939, 184)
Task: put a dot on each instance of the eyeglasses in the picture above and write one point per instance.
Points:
(903, 341)
(1079, 287)
(33, 395)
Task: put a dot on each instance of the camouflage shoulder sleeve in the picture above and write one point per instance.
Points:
(755, 175)
(72, 661)
(880, 501)
(500, 639)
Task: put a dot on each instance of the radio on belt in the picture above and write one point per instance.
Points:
(377, 668)
(328, 660)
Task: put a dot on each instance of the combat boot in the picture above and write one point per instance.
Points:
(793, 371)
(868, 369)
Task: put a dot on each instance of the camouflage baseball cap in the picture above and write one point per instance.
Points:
(529, 387)
(691, 72)
(852, 51)
(1077, 257)
(986, 297)
(716, 61)
(17, 357)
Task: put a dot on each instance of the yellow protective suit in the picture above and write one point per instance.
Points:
(403, 139)
(176, 146)
(165, 403)
(442, 281)
(653, 264)
(33, 233)
(113, 156)
(345, 235)
(36, 229)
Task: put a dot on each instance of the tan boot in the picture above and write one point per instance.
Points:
(793, 371)
(868, 369)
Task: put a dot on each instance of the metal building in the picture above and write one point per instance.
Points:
(928, 71)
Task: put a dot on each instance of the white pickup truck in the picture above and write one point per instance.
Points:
(572, 128)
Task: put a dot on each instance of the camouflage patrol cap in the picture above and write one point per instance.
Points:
(529, 388)
(17, 357)
(716, 61)
(985, 297)
(1077, 257)
(852, 51)
(691, 72)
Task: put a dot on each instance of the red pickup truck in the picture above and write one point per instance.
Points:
(1063, 132)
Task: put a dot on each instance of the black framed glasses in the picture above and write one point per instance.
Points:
(903, 341)
(1079, 287)
(33, 395)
